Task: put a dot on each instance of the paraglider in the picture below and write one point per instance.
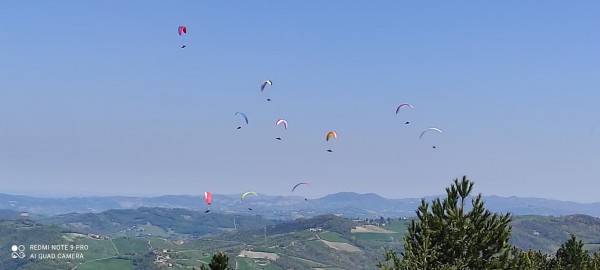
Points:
(281, 121)
(429, 129)
(182, 30)
(264, 84)
(404, 105)
(294, 188)
(243, 115)
(330, 134)
(246, 194)
(299, 184)
(208, 200)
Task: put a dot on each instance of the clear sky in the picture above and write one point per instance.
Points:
(98, 98)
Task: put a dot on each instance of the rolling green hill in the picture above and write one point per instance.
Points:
(158, 238)
(161, 222)
(548, 233)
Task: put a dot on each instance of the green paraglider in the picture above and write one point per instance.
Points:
(248, 193)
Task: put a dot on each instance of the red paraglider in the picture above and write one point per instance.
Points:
(208, 198)
(182, 30)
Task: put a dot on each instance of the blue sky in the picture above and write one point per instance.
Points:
(98, 98)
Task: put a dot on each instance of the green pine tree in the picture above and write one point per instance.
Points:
(448, 236)
(571, 255)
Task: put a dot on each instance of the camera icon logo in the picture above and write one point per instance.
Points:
(18, 252)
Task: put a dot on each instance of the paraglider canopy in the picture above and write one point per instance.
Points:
(281, 121)
(403, 105)
(331, 134)
(182, 30)
(303, 183)
(248, 193)
(208, 197)
(243, 115)
(264, 84)
(430, 129)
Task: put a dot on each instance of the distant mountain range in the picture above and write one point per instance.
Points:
(347, 204)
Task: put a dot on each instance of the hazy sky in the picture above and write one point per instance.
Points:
(98, 98)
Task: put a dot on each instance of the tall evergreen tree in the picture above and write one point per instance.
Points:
(571, 255)
(449, 236)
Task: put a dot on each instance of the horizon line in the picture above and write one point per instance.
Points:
(290, 195)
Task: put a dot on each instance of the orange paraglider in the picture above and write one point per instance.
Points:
(331, 134)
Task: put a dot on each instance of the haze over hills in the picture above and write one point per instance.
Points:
(348, 204)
